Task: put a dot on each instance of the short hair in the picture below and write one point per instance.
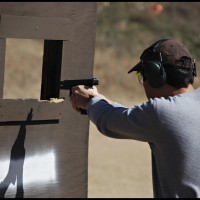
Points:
(182, 74)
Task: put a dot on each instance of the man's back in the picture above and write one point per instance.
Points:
(172, 129)
(176, 150)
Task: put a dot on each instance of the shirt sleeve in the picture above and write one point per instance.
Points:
(117, 121)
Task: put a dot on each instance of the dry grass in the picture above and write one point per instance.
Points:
(23, 69)
(118, 168)
(115, 82)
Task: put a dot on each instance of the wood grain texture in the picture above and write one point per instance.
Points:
(38, 9)
(16, 110)
(50, 160)
(2, 64)
(28, 27)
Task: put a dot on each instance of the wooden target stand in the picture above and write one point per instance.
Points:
(44, 143)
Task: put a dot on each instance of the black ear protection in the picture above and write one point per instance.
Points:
(152, 66)
(194, 70)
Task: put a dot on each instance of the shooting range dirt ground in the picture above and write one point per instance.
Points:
(118, 168)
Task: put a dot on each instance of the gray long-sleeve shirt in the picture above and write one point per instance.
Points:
(171, 127)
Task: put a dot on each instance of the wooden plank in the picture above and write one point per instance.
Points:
(55, 160)
(64, 144)
(41, 9)
(16, 110)
(2, 64)
(49, 162)
(78, 53)
(28, 27)
(77, 63)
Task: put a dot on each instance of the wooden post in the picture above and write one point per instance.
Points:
(47, 138)
(2, 64)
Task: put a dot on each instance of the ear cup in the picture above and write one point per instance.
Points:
(194, 70)
(154, 73)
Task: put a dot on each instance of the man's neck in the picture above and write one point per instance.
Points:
(182, 90)
(168, 90)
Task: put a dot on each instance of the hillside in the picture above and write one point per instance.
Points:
(125, 29)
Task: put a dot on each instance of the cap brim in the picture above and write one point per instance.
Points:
(137, 67)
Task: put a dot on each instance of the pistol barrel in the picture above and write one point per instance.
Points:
(68, 84)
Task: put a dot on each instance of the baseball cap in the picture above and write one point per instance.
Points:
(171, 50)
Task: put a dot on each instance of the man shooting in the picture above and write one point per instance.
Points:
(168, 121)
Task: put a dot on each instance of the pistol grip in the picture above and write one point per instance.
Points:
(70, 92)
(83, 111)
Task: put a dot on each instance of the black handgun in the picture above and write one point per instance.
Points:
(68, 84)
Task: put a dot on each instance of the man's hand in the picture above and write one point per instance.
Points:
(81, 95)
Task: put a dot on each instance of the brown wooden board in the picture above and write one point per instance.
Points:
(43, 160)
(16, 110)
(2, 64)
(47, 9)
(13, 26)
(50, 159)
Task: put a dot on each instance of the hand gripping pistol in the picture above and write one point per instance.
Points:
(68, 84)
